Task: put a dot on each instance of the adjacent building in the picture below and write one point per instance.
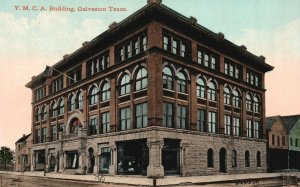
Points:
(156, 94)
(22, 153)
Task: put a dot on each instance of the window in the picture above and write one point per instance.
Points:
(128, 50)
(141, 79)
(168, 115)
(181, 117)
(236, 99)
(136, 47)
(54, 133)
(278, 140)
(253, 78)
(40, 93)
(227, 98)
(273, 139)
(72, 102)
(247, 159)
(141, 119)
(212, 91)
(256, 129)
(93, 126)
(201, 120)
(208, 59)
(248, 103)
(283, 140)
(175, 45)
(200, 88)
(167, 79)
(144, 40)
(234, 158)
(181, 83)
(212, 122)
(93, 96)
(183, 50)
(80, 100)
(291, 141)
(227, 122)
(61, 106)
(74, 76)
(36, 114)
(249, 128)
(236, 126)
(37, 135)
(232, 69)
(296, 142)
(256, 104)
(44, 133)
(57, 85)
(106, 91)
(125, 85)
(54, 109)
(167, 42)
(210, 158)
(61, 127)
(44, 113)
(105, 120)
(258, 160)
(125, 118)
(98, 64)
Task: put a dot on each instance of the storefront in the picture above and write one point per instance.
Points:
(40, 160)
(132, 157)
(105, 159)
(170, 156)
(72, 160)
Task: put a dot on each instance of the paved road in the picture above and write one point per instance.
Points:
(7, 180)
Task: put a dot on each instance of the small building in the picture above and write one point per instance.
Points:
(22, 153)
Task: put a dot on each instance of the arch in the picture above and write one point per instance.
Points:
(181, 82)
(184, 71)
(141, 79)
(103, 81)
(138, 67)
(79, 98)
(227, 95)
(214, 82)
(53, 108)
(234, 158)
(228, 86)
(91, 87)
(105, 91)
(248, 102)
(210, 158)
(203, 77)
(93, 95)
(119, 77)
(37, 113)
(258, 159)
(79, 116)
(171, 66)
(247, 158)
(91, 160)
(61, 106)
(236, 98)
(212, 91)
(43, 112)
(72, 103)
(125, 85)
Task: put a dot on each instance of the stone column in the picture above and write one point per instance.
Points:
(96, 166)
(61, 156)
(82, 167)
(183, 168)
(64, 161)
(113, 160)
(33, 161)
(155, 168)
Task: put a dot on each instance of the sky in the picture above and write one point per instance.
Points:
(31, 39)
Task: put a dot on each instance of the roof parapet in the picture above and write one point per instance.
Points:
(85, 43)
(243, 48)
(66, 56)
(154, 1)
(221, 36)
(193, 20)
(112, 25)
(262, 58)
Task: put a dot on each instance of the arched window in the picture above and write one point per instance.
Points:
(248, 103)
(256, 104)
(44, 113)
(200, 88)
(227, 97)
(234, 158)
(167, 79)
(105, 91)
(80, 100)
(74, 125)
(181, 83)
(258, 162)
(93, 96)
(212, 91)
(247, 159)
(72, 102)
(210, 158)
(236, 99)
(54, 109)
(61, 106)
(36, 114)
(141, 79)
(125, 85)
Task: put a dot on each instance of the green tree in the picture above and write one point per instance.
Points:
(6, 156)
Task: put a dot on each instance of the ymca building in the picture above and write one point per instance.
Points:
(156, 94)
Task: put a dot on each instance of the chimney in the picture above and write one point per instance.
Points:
(154, 1)
(243, 48)
(113, 25)
(221, 36)
(262, 58)
(193, 20)
(66, 56)
(85, 43)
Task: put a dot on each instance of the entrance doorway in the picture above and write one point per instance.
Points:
(170, 157)
(222, 156)
(91, 160)
(52, 163)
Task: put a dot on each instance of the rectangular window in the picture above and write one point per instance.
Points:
(54, 133)
(167, 42)
(213, 63)
(296, 142)
(128, 50)
(181, 117)
(57, 85)
(37, 135)
(93, 126)
(206, 60)
(168, 115)
(291, 141)
(256, 129)
(125, 118)
(231, 73)
(175, 45)
(144, 44)
(273, 139)
(201, 120)
(44, 134)
(278, 140)
(236, 126)
(183, 50)
(249, 128)
(141, 118)
(212, 122)
(226, 68)
(61, 127)
(74, 76)
(283, 140)
(136, 47)
(105, 120)
(200, 57)
(227, 123)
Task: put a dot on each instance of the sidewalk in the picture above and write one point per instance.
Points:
(166, 181)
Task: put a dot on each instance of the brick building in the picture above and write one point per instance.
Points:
(156, 94)
(22, 152)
